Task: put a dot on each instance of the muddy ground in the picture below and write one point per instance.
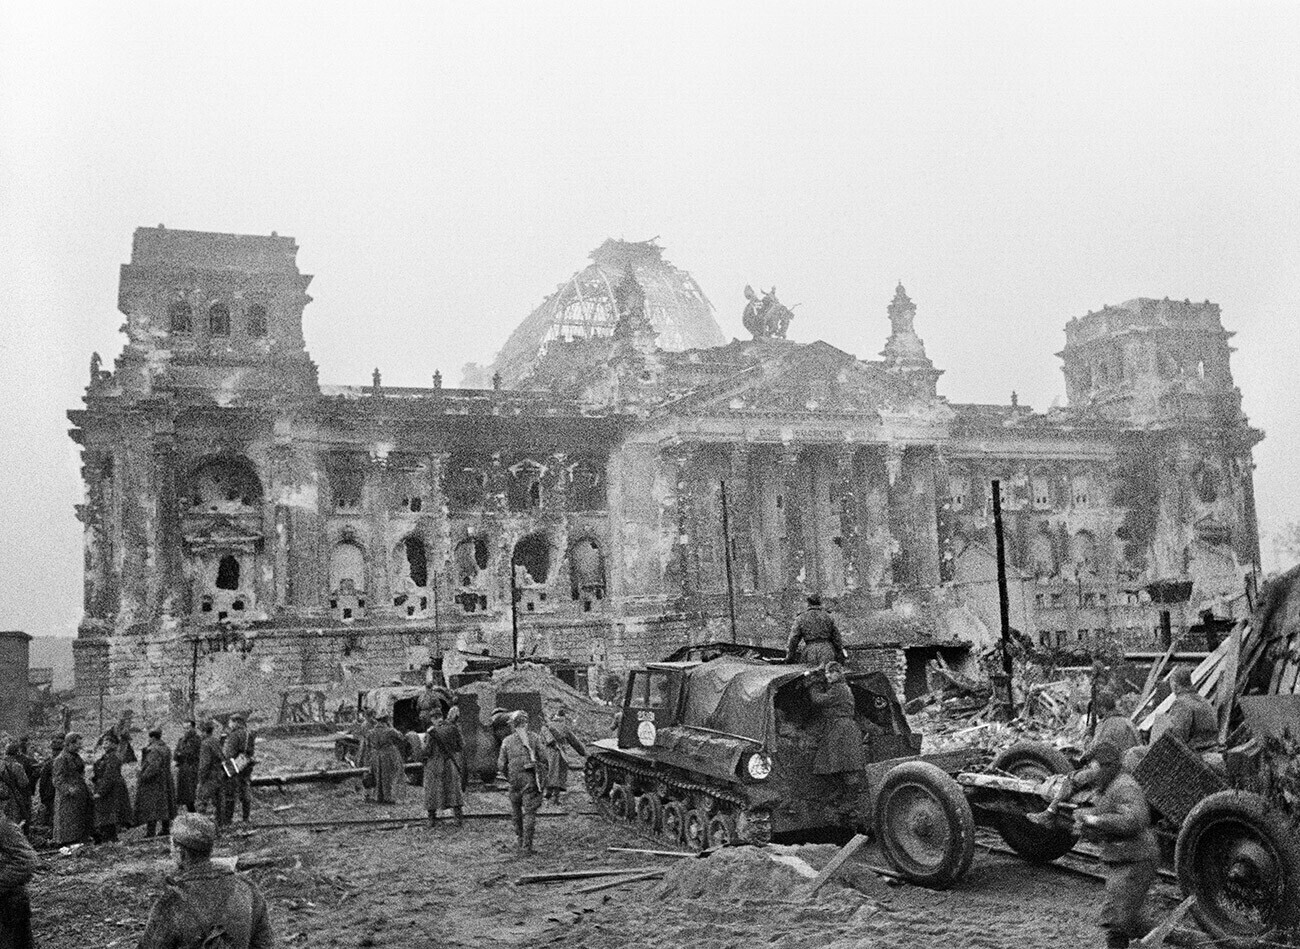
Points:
(408, 886)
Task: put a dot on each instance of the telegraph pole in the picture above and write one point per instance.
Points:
(726, 547)
(1004, 605)
(514, 617)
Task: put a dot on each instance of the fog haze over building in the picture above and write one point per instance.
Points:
(444, 169)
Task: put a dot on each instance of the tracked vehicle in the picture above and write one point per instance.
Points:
(719, 752)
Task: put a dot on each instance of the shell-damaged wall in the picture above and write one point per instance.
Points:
(256, 540)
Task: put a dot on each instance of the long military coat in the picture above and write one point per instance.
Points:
(187, 768)
(72, 812)
(442, 764)
(155, 792)
(112, 798)
(840, 748)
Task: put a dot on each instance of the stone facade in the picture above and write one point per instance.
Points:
(252, 535)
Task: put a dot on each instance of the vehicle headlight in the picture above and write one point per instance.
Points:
(759, 766)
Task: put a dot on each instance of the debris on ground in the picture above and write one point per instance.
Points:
(589, 718)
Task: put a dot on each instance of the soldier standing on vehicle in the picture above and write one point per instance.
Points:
(815, 638)
(1120, 823)
(206, 904)
(522, 760)
(839, 749)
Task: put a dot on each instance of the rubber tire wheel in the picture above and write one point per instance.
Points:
(1031, 759)
(1194, 860)
(695, 830)
(722, 830)
(673, 822)
(942, 797)
(649, 812)
(621, 806)
(595, 774)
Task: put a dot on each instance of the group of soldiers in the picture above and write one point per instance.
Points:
(532, 763)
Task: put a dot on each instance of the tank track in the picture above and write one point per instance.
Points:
(715, 798)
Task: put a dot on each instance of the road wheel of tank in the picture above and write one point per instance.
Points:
(1240, 858)
(722, 830)
(649, 812)
(1032, 761)
(924, 824)
(695, 830)
(621, 806)
(673, 822)
(595, 774)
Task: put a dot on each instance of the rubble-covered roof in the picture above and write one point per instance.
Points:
(583, 307)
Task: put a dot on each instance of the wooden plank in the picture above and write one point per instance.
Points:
(836, 863)
(1228, 681)
(607, 884)
(652, 853)
(1153, 677)
(1200, 674)
(560, 875)
(1157, 936)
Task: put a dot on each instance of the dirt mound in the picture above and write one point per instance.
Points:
(589, 718)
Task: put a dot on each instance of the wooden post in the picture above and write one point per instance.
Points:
(1157, 936)
(514, 617)
(1228, 681)
(726, 549)
(1004, 604)
(837, 861)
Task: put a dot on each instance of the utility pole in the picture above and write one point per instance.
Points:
(437, 634)
(1004, 605)
(194, 675)
(514, 617)
(726, 547)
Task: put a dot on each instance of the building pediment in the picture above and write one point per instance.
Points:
(816, 379)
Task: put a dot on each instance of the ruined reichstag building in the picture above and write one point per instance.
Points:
(253, 536)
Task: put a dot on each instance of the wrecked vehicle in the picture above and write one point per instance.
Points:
(712, 753)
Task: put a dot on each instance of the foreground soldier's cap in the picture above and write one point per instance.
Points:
(1181, 676)
(237, 717)
(194, 831)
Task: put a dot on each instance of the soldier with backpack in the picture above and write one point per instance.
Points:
(206, 906)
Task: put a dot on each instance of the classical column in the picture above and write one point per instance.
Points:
(684, 563)
(850, 541)
(792, 504)
(874, 571)
(925, 529)
(740, 510)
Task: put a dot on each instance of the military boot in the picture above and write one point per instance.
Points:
(530, 825)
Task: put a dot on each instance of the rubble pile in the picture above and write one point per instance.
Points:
(589, 718)
(750, 874)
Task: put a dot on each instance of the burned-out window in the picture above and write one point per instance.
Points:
(219, 320)
(226, 484)
(180, 317)
(586, 491)
(228, 573)
(470, 558)
(587, 574)
(466, 485)
(524, 487)
(532, 556)
(346, 478)
(256, 321)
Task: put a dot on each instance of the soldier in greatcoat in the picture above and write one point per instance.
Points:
(155, 792)
(15, 788)
(45, 781)
(112, 799)
(213, 780)
(839, 749)
(72, 804)
(238, 748)
(387, 745)
(18, 861)
(558, 737)
(815, 638)
(522, 760)
(442, 768)
(187, 767)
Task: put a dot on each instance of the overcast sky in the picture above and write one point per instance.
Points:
(443, 167)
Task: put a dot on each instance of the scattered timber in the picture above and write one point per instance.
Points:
(608, 884)
(1157, 936)
(836, 863)
(652, 853)
(562, 875)
(373, 821)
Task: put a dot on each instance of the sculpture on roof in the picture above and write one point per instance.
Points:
(629, 304)
(766, 317)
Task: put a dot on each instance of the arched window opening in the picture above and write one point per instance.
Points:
(417, 561)
(257, 321)
(347, 597)
(1083, 552)
(533, 555)
(227, 485)
(1041, 555)
(228, 573)
(180, 316)
(219, 320)
(470, 560)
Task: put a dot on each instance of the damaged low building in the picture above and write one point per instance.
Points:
(256, 538)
